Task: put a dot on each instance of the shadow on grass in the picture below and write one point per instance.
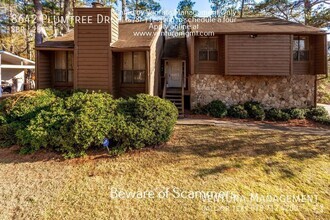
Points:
(211, 142)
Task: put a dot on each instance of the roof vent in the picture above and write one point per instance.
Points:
(97, 5)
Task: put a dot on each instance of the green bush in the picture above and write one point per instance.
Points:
(318, 112)
(277, 115)
(296, 113)
(238, 111)
(323, 120)
(24, 107)
(73, 122)
(255, 110)
(144, 121)
(199, 110)
(216, 109)
(71, 125)
(8, 133)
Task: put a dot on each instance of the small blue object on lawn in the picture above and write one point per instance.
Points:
(106, 143)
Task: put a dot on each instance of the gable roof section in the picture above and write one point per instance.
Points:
(127, 37)
(137, 35)
(175, 48)
(262, 25)
(65, 41)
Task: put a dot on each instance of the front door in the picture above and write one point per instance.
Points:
(175, 69)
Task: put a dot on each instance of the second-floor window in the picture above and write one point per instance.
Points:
(208, 49)
(300, 48)
(134, 68)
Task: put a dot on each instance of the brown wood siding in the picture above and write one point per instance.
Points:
(93, 54)
(156, 50)
(191, 52)
(301, 68)
(132, 91)
(44, 76)
(320, 54)
(211, 67)
(262, 55)
(116, 74)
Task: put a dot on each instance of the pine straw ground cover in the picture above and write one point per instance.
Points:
(198, 158)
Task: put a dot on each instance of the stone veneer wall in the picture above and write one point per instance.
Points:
(271, 91)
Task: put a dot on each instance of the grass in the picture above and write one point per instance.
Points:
(198, 158)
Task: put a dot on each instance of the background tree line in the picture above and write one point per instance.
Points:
(24, 23)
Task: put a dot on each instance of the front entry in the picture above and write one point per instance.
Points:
(174, 70)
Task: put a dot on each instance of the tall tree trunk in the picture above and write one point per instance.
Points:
(123, 10)
(10, 12)
(242, 9)
(307, 11)
(66, 14)
(39, 22)
(136, 13)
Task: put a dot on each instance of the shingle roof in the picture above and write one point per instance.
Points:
(254, 25)
(133, 35)
(65, 41)
(175, 48)
(127, 36)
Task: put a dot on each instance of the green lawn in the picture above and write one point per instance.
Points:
(198, 158)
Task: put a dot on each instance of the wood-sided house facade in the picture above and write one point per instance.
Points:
(102, 56)
(269, 60)
(275, 62)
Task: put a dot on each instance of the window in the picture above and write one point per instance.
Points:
(134, 66)
(208, 49)
(300, 48)
(63, 66)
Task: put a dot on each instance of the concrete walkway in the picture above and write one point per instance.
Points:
(251, 125)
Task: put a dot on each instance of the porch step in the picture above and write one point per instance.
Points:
(175, 96)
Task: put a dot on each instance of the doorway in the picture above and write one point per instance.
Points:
(174, 70)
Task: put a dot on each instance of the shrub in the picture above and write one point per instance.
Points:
(318, 112)
(199, 110)
(80, 120)
(296, 113)
(323, 120)
(216, 109)
(238, 111)
(144, 121)
(8, 133)
(24, 107)
(71, 125)
(277, 115)
(255, 110)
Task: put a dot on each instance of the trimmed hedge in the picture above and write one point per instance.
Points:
(216, 109)
(73, 122)
(277, 115)
(238, 111)
(255, 110)
(296, 113)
